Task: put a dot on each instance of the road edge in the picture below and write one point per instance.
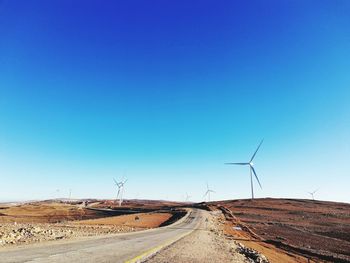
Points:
(147, 254)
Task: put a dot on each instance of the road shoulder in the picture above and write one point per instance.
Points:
(205, 244)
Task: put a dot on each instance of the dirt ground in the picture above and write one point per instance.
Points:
(141, 220)
(284, 230)
(296, 230)
(46, 221)
(41, 212)
(205, 245)
(142, 204)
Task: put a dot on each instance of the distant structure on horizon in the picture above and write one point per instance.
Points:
(187, 197)
(313, 193)
(251, 169)
(121, 190)
(207, 193)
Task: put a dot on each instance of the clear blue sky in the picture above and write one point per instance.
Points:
(166, 92)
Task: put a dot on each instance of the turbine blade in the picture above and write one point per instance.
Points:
(238, 163)
(255, 175)
(257, 149)
(206, 193)
(115, 181)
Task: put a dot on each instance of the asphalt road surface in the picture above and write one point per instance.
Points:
(116, 248)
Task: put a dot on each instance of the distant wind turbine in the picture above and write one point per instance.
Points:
(187, 197)
(207, 193)
(312, 194)
(121, 190)
(251, 169)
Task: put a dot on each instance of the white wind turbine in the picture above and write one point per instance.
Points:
(312, 194)
(207, 193)
(251, 169)
(121, 190)
(187, 197)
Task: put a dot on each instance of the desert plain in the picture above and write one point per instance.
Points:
(259, 230)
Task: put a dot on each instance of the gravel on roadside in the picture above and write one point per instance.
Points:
(204, 245)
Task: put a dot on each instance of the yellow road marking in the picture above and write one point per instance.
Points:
(156, 249)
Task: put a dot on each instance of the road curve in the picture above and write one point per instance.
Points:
(116, 248)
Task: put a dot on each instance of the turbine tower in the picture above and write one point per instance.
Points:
(251, 169)
(207, 193)
(312, 194)
(120, 193)
(187, 197)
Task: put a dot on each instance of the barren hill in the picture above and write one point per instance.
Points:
(315, 229)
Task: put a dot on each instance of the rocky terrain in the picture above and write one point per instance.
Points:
(47, 221)
(21, 233)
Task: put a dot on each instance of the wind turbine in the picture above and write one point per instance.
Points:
(187, 198)
(120, 186)
(312, 194)
(207, 193)
(251, 169)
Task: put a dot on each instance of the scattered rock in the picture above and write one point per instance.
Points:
(251, 254)
(11, 233)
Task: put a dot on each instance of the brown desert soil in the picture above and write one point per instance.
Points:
(141, 220)
(140, 204)
(290, 230)
(45, 221)
(45, 213)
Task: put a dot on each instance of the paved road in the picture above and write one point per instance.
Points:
(117, 248)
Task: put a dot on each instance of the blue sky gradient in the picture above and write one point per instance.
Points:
(165, 93)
